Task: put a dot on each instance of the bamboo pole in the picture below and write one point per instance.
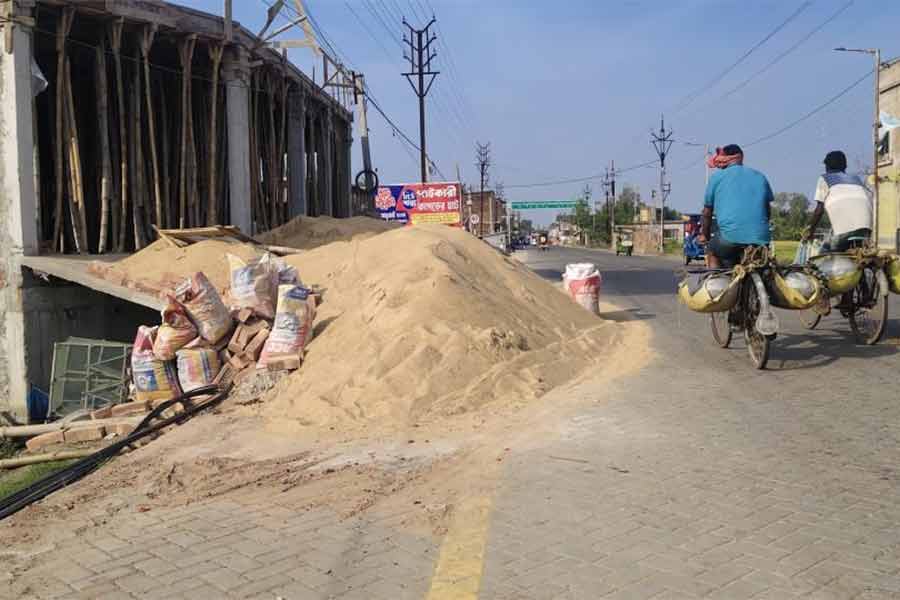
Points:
(185, 52)
(62, 32)
(12, 463)
(105, 164)
(115, 42)
(76, 199)
(147, 37)
(215, 54)
(282, 145)
(272, 150)
(166, 158)
(138, 162)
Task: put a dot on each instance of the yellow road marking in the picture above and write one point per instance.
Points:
(457, 575)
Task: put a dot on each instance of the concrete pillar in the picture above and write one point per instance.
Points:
(236, 74)
(312, 201)
(297, 153)
(346, 169)
(18, 211)
(328, 164)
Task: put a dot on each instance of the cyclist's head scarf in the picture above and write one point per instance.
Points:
(725, 157)
(835, 162)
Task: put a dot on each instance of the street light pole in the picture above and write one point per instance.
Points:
(876, 54)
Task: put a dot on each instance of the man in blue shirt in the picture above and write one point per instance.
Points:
(740, 199)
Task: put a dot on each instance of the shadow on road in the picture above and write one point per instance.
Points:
(815, 350)
(628, 314)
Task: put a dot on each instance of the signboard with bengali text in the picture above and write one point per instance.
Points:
(420, 203)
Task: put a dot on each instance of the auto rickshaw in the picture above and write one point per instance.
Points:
(624, 242)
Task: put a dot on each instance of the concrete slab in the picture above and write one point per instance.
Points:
(76, 270)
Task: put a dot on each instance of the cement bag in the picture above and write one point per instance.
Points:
(254, 285)
(582, 282)
(892, 271)
(197, 367)
(794, 289)
(154, 379)
(204, 307)
(174, 333)
(841, 271)
(293, 324)
(709, 292)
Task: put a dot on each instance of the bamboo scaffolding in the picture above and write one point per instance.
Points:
(105, 161)
(186, 53)
(147, 36)
(137, 156)
(115, 42)
(215, 54)
(65, 26)
(282, 145)
(166, 158)
(76, 198)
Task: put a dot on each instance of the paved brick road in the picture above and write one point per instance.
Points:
(697, 478)
(703, 478)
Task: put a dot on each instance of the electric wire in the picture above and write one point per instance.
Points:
(581, 179)
(687, 100)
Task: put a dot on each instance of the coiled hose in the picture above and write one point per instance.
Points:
(56, 481)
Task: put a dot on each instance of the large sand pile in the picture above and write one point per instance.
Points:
(311, 232)
(427, 321)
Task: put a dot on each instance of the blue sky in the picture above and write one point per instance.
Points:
(561, 88)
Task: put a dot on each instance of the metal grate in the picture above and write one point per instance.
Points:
(88, 374)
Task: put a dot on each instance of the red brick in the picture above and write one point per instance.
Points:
(130, 408)
(45, 439)
(102, 413)
(86, 434)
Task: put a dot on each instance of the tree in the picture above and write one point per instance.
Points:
(790, 214)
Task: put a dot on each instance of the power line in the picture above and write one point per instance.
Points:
(795, 122)
(399, 131)
(582, 179)
(790, 50)
(819, 108)
(687, 100)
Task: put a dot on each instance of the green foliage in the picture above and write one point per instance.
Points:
(790, 214)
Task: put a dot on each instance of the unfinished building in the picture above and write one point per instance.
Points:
(119, 117)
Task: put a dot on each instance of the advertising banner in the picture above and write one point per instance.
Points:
(417, 203)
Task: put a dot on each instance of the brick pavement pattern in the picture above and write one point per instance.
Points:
(258, 548)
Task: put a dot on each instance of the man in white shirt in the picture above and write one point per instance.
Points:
(848, 203)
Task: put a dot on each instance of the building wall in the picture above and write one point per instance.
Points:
(889, 167)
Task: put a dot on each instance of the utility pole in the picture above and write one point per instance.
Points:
(876, 54)
(662, 141)
(611, 203)
(359, 95)
(420, 57)
(228, 27)
(586, 193)
(483, 164)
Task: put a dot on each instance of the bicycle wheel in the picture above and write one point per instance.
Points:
(868, 315)
(757, 343)
(721, 328)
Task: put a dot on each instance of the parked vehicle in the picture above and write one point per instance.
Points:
(624, 242)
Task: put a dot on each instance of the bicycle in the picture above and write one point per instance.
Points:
(865, 304)
(751, 313)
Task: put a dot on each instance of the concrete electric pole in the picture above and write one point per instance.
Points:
(483, 163)
(876, 55)
(420, 57)
(662, 141)
(611, 202)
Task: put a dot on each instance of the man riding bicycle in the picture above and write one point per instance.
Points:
(847, 202)
(740, 199)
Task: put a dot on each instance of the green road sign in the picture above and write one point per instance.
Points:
(547, 204)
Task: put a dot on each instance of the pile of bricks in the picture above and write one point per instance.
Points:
(82, 431)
